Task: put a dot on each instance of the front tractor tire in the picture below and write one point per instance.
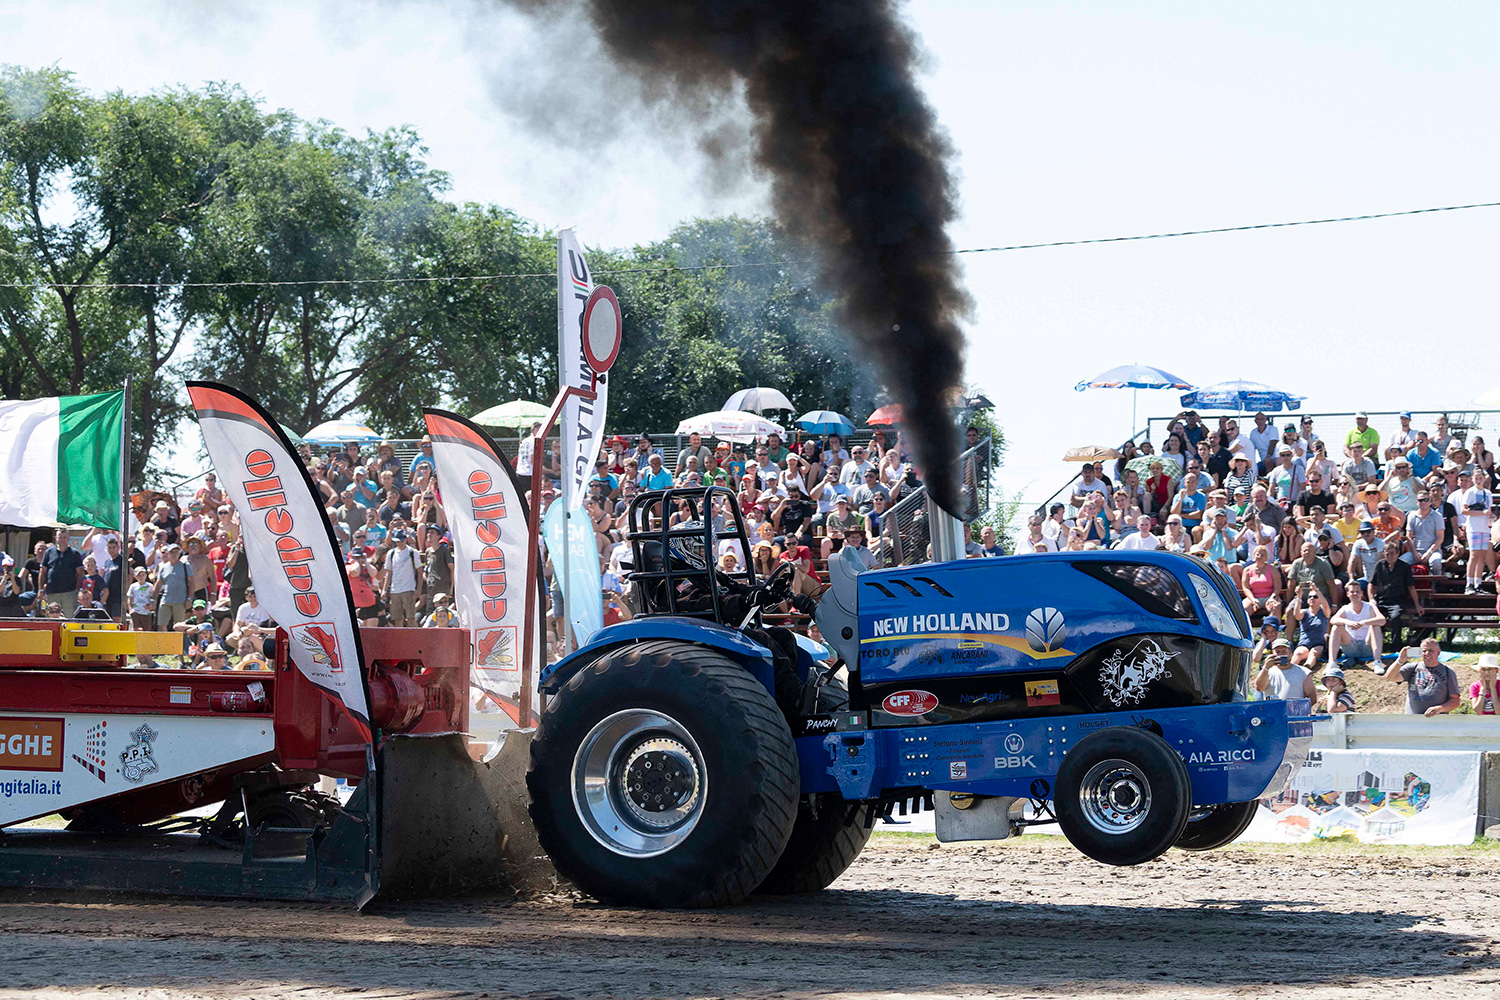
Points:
(663, 774)
(1217, 826)
(1122, 796)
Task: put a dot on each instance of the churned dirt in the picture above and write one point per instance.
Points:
(1023, 919)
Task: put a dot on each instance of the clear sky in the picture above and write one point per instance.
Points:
(1072, 120)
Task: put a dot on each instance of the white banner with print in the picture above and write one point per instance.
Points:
(293, 556)
(487, 517)
(1428, 797)
(581, 428)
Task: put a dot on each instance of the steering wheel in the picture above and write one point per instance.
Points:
(778, 586)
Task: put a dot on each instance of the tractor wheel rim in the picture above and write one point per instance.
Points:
(1115, 796)
(639, 783)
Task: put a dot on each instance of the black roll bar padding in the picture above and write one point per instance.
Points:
(700, 503)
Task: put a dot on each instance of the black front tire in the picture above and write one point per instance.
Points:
(1221, 826)
(739, 747)
(1122, 796)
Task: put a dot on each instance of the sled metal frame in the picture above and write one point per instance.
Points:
(338, 865)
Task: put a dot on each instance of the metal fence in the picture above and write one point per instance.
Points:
(903, 530)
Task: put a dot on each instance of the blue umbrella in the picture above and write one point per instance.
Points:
(825, 422)
(1242, 395)
(1134, 377)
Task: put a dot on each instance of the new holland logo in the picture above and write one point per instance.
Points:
(321, 642)
(1046, 630)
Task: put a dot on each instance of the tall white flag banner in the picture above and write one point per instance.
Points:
(582, 427)
(487, 516)
(293, 555)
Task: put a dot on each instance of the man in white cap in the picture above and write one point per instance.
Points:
(1484, 694)
(1281, 679)
(1362, 434)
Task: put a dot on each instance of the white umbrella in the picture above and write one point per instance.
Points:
(731, 425)
(340, 432)
(1491, 398)
(757, 399)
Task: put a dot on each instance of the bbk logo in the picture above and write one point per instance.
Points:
(1025, 760)
(1014, 743)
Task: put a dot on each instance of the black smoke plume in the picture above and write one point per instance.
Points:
(857, 162)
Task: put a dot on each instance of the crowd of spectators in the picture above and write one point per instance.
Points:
(184, 569)
(1325, 541)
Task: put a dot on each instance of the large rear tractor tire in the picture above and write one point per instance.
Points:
(663, 774)
(1218, 826)
(822, 845)
(1122, 796)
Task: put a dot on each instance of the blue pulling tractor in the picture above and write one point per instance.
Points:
(694, 755)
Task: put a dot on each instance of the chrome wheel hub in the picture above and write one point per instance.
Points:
(1115, 796)
(639, 783)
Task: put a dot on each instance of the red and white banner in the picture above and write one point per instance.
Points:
(581, 428)
(487, 516)
(294, 557)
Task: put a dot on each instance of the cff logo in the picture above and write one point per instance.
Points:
(1045, 630)
(910, 702)
(136, 762)
(496, 647)
(1014, 743)
(319, 641)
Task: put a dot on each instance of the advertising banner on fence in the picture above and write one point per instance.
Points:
(487, 515)
(294, 557)
(1426, 797)
(582, 425)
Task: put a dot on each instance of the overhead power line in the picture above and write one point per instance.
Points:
(519, 275)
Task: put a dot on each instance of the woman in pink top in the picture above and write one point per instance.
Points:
(1260, 582)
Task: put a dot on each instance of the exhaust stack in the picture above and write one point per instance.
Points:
(946, 533)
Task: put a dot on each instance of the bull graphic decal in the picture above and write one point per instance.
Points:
(495, 647)
(1125, 676)
(323, 646)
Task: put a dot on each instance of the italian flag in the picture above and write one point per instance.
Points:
(60, 460)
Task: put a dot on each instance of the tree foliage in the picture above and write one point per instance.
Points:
(252, 247)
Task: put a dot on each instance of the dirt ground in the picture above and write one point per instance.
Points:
(1025, 919)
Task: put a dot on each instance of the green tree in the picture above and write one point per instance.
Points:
(725, 321)
(97, 191)
(308, 221)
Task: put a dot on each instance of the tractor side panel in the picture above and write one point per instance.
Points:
(1023, 637)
